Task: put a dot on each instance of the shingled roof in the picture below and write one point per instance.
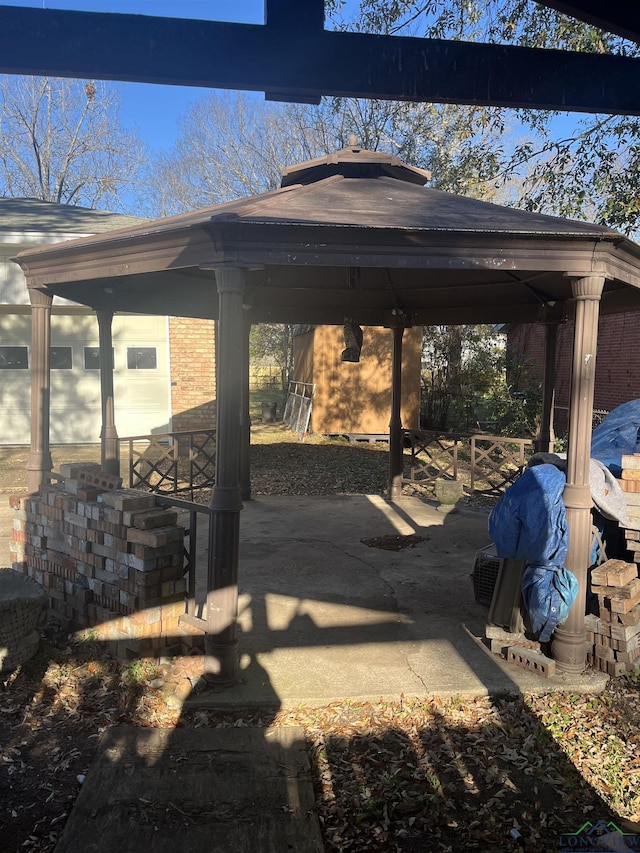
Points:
(47, 217)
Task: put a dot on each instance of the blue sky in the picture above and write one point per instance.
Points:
(154, 109)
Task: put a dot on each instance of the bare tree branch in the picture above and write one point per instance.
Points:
(61, 141)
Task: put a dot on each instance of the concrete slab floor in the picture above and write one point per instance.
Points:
(323, 617)
(170, 790)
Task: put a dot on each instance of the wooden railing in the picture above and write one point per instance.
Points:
(434, 455)
(171, 462)
(180, 462)
(497, 461)
(486, 463)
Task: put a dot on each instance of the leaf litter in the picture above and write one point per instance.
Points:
(417, 775)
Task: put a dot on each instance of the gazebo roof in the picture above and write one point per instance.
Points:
(353, 234)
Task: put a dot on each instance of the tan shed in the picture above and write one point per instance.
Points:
(354, 398)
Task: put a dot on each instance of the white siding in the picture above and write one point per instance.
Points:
(141, 396)
(13, 286)
(13, 290)
(15, 385)
(142, 399)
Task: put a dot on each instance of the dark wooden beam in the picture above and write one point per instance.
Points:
(615, 16)
(293, 14)
(295, 18)
(304, 63)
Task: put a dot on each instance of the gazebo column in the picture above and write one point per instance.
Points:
(546, 436)
(568, 647)
(39, 462)
(395, 424)
(245, 419)
(221, 646)
(109, 444)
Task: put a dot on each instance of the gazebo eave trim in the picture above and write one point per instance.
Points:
(212, 246)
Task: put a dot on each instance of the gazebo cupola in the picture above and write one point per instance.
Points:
(353, 162)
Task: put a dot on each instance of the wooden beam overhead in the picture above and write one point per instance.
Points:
(615, 16)
(300, 61)
(293, 14)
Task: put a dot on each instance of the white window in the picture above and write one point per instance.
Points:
(14, 358)
(61, 358)
(142, 358)
(92, 358)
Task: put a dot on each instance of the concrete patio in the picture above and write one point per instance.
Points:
(324, 617)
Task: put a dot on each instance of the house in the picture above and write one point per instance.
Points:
(157, 384)
(354, 398)
(617, 378)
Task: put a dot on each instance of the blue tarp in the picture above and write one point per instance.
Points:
(548, 593)
(529, 523)
(617, 435)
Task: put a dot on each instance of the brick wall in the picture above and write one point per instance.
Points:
(193, 373)
(617, 360)
(111, 561)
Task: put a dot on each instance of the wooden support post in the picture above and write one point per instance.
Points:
(395, 424)
(39, 462)
(221, 646)
(109, 444)
(568, 646)
(545, 440)
(245, 418)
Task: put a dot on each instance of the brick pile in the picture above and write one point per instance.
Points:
(109, 559)
(630, 485)
(615, 631)
(517, 649)
(614, 634)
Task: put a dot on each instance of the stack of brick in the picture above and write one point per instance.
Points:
(109, 559)
(614, 634)
(630, 484)
(516, 648)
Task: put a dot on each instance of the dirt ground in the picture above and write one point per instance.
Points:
(13, 461)
(497, 774)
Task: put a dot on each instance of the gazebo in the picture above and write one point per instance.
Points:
(352, 237)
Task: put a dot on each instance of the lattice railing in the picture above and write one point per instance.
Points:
(202, 459)
(497, 461)
(172, 462)
(492, 462)
(433, 456)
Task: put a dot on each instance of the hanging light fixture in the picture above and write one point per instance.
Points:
(352, 341)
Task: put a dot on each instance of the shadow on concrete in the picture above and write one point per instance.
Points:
(428, 775)
(364, 682)
(332, 619)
